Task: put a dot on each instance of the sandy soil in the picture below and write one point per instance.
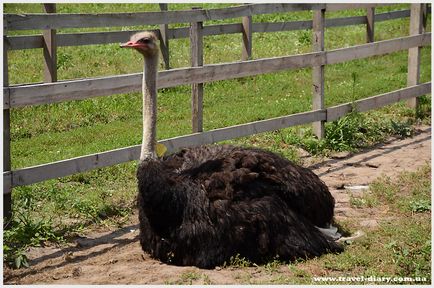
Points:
(115, 257)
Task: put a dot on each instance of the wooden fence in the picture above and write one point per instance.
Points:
(53, 92)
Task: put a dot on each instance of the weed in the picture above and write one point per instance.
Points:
(206, 280)
(350, 133)
(402, 129)
(189, 277)
(366, 200)
(237, 262)
(24, 232)
(298, 272)
(273, 266)
(420, 205)
(357, 202)
(424, 108)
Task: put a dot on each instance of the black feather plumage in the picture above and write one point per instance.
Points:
(202, 205)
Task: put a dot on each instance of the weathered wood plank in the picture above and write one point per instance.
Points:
(243, 130)
(424, 17)
(196, 52)
(71, 166)
(216, 72)
(73, 90)
(336, 112)
(50, 49)
(377, 48)
(60, 21)
(92, 38)
(36, 94)
(350, 6)
(370, 22)
(392, 15)
(318, 26)
(413, 74)
(25, 42)
(246, 53)
(7, 184)
(281, 26)
(345, 21)
(164, 39)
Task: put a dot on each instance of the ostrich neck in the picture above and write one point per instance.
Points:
(149, 107)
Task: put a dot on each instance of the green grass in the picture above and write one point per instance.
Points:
(46, 133)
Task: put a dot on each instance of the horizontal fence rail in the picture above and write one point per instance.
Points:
(71, 166)
(36, 94)
(60, 21)
(92, 38)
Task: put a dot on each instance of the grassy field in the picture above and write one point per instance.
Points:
(52, 210)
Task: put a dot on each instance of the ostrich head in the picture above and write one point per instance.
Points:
(144, 42)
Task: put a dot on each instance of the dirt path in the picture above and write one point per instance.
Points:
(115, 257)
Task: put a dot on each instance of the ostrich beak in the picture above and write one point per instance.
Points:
(130, 44)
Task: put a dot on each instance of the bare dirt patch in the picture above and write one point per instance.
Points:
(115, 257)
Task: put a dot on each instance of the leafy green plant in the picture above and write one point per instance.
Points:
(189, 277)
(237, 261)
(24, 232)
(273, 266)
(402, 129)
(420, 205)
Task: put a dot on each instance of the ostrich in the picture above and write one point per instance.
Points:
(202, 205)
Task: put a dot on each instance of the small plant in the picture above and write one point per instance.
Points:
(357, 202)
(273, 266)
(15, 258)
(421, 205)
(237, 262)
(424, 107)
(347, 133)
(206, 280)
(189, 277)
(298, 272)
(366, 200)
(402, 129)
(25, 232)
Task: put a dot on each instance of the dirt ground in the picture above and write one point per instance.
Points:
(115, 257)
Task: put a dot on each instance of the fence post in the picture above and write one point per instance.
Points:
(50, 49)
(164, 38)
(416, 27)
(425, 17)
(247, 38)
(7, 190)
(318, 25)
(196, 45)
(370, 22)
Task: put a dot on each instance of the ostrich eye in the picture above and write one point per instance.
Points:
(145, 41)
